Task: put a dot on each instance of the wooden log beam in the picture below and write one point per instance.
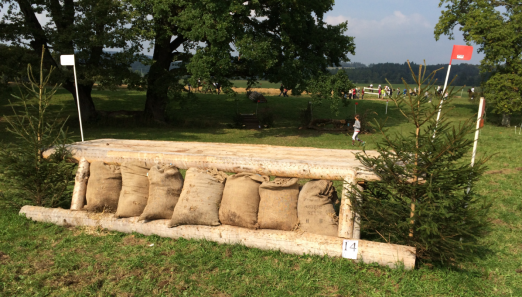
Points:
(300, 162)
(345, 210)
(80, 185)
(286, 241)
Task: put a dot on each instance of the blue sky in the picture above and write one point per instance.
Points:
(395, 31)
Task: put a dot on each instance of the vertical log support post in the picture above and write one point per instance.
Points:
(349, 222)
(80, 185)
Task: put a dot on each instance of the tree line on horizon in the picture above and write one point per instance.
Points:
(464, 74)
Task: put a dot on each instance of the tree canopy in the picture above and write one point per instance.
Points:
(495, 27)
(282, 41)
(86, 28)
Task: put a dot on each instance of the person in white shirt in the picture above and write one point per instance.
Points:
(472, 93)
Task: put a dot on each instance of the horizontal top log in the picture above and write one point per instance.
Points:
(301, 162)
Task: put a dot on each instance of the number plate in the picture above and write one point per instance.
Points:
(350, 249)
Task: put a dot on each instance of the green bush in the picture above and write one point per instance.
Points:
(25, 175)
(425, 196)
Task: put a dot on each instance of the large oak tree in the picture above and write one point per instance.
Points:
(214, 40)
(496, 27)
(86, 28)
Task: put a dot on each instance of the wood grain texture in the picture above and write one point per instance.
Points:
(286, 241)
(301, 162)
(80, 185)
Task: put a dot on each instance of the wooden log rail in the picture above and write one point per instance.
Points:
(308, 163)
(292, 242)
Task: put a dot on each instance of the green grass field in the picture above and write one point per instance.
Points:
(38, 259)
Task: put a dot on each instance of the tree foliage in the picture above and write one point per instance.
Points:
(86, 28)
(330, 89)
(425, 196)
(215, 41)
(26, 176)
(494, 26)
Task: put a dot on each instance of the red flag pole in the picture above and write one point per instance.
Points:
(460, 52)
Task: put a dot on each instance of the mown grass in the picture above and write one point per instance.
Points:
(44, 259)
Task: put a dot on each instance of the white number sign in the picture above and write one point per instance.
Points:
(350, 249)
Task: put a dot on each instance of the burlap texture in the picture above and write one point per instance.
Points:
(278, 204)
(200, 198)
(240, 203)
(103, 187)
(135, 189)
(165, 184)
(315, 208)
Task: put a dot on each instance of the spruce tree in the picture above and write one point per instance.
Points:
(425, 197)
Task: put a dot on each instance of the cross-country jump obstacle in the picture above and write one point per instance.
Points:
(278, 200)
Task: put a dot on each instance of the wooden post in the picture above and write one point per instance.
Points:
(80, 185)
(346, 216)
(357, 219)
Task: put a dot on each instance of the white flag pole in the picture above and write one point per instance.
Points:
(68, 60)
(386, 106)
(480, 115)
(442, 97)
(479, 118)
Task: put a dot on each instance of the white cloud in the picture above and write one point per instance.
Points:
(396, 23)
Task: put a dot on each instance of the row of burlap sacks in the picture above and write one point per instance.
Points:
(211, 197)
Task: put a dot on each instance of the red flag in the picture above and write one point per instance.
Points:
(461, 52)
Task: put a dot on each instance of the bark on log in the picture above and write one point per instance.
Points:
(80, 185)
(285, 241)
(313, 163)
(345, 210)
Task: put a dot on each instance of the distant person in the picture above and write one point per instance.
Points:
(472, 93)
(405, 91)
(285, 93)
(438, 90)
(379, 93)
(218, 88)
(354, 93)
(282, 89)
(357, 130)
(189, 87)
(398, 91)
(362, 94)
(446, 96)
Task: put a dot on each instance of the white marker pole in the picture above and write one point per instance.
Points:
(386, 106)
(480, 115)
(68, 60)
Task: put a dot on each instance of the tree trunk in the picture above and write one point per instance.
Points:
(87, 108)
(506, 120)
(157, 81)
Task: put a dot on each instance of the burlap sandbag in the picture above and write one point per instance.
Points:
(240, 202)
(278, 204)
(200, 198)
(103, 187)
(135, 189)
(315, 208)
(165, 184)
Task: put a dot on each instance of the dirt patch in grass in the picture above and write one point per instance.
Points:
(132, 240)
(499, 222)
(88, 230)
(3, 256)
(504, 171)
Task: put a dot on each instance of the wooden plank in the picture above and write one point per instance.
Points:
(313, 163)
(286, 241)
(80, 185)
